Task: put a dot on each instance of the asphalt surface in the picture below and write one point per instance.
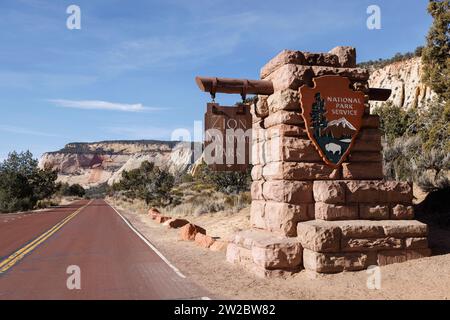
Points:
(85, 250)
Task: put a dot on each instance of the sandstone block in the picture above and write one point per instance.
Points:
(416, 243)
(175, 223)
(283, 58)
(401, 212)
(329, 192)
(361, 228)
(257, 157)
(283, 217)
(257, 212)
(362, 171)
(239, 255)
(219, 246)
(267, 249)
(285, 130)
(319, 236)
(162, 219)
(332, 262)
(378, 192)
(278, 255)
(203, 240)
(325, 211)
(346, 56)
(154, 215)
(367, 145)
(373, 212)
(153, 211)
(417, 253)
(257, 172)
(284, 100)
(262, 108)
(365, 156)
(404, 228)
(290, 149)
(232, 253)
(355, 74)
(283, 117)
(297, 171)
(189, 231)
(256, 190)
(294, 192)
(371, 244)
(390, 257)
(321, 59)
(290, 76)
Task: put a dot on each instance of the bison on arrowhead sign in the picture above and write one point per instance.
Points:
(333, 116)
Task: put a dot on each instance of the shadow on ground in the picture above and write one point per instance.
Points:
(434, 210)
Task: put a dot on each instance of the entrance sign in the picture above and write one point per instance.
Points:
(227, 137)
(333, 115)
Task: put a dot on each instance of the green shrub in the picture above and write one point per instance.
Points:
(148, 182)
(23, 184)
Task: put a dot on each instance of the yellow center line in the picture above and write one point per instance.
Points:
(22, 252)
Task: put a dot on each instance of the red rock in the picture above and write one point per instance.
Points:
(325, 211)
(154, 213)
(362, 171)
(329, 192)
(283, 58)
(189, 231)
(295, 192)
(346, 56)
(175, 223)
(417, 253)
(401, 212)
(290, 76)
(297, 171)
(153, 210)
(162, 219)
(284, 117)
(374, 212)
(391, 256)
(203, 240)
(219, 245)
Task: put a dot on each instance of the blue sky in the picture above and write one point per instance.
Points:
(129, 72)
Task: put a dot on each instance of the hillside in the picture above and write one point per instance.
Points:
(92, 164)
(404, 79)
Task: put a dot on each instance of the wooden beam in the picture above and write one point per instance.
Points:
(263, 87)
(239, 86)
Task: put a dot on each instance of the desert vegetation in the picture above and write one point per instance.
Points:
(23, 186)
(185, 194)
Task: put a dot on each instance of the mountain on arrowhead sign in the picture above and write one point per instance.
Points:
(333, 113)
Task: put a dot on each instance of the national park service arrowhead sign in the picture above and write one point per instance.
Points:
(333, 115)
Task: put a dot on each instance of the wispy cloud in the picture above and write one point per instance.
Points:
(141, 132)
(102, 105)
(27, 131)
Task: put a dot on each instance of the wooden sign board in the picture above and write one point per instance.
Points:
(333, 116)
(228, 137)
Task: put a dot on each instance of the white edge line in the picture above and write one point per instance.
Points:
(178, 272)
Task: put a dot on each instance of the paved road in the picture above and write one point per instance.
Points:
(36, 250)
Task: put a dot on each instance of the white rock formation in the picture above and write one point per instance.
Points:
(404, 79)
(92, 164)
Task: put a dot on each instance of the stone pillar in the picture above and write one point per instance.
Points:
(298, 201)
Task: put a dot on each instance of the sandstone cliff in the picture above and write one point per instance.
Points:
(404, 79)
(92, 164)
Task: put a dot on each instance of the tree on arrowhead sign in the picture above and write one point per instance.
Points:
(333, 113)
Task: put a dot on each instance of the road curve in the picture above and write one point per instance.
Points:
(38, 249)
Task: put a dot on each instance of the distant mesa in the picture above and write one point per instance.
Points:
(339, 129)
